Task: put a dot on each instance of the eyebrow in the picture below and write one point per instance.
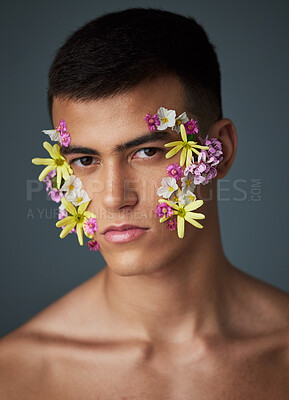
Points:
(146, 138)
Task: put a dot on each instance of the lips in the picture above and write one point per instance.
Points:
(123, 227)
(123, 233)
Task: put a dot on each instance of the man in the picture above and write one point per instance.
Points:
(167, 318)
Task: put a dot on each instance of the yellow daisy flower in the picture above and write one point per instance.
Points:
(184, 213)
(56, 161)
(188, 147)
(77, 218)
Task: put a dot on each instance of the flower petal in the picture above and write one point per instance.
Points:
(42, 161)
(174, 151)
(89, 214)
(65, 221)
(195, 151)
(172, 144)
(79, 233)
(56, 151)
(184, 133)
(192, 215)
(46, 171)
(59, 177)
(194, 205)
(195, 223)
(66, 170)
(189, 157)
(169, 203)
(183, 156)
(68, 206)
(163, 219)
(66, 230)
(201, 147)
(181, 226)
(49, 148)
(83, 207)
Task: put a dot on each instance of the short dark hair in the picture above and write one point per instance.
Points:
(119, 50)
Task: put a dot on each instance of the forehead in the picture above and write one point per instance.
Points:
(120, 117)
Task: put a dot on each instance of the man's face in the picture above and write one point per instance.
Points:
(122, 176)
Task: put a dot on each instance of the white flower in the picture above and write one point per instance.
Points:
(188, 183)
(53, 134)
(167, 118)
(61, 207)
(181, 119)
(77, 196)
(72, 183)
(169, 186)
(187, 198)
(175, 196)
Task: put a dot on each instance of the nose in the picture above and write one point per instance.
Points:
(120, 188)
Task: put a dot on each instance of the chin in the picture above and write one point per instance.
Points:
(135, 262)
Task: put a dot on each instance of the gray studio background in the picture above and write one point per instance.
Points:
(251, 38)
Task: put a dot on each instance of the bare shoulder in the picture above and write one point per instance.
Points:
(29, 356)
(21, 364)
(263, 312)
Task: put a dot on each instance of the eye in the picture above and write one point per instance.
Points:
(147, 152)
(83, 161)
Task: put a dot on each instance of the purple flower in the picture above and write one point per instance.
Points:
(93, 245)
(62, 213)
(204, 170)
(152, 121)
(55, 195)
(65, 139)
(191, 127)
(48, 180)
(62, 127)
(51, 174)
(175, 171)
(215, 151)
(90, 226)
(172, 224)
(164, 210)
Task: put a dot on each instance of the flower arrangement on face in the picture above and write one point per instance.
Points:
(65, 188)
(197, 165)
(198, 160)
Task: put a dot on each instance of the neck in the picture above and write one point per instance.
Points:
(177, 303)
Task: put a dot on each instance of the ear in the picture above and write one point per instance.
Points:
(225, 131)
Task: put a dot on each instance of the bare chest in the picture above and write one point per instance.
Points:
(115, 377)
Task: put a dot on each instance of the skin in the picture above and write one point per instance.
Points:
(166, 318)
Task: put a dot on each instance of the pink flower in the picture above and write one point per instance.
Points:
(51, 174)
(175, 171)
(65, 139)
(191, 127)
(55, 195)
(48, 180)
(164, 210)
(203, 170)
(62, 213)
(215, 154)
(172, 224)
(72, 230)
(90, 226)
(64, 135)
(62, 127)
(93, 245)
(152, 121)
